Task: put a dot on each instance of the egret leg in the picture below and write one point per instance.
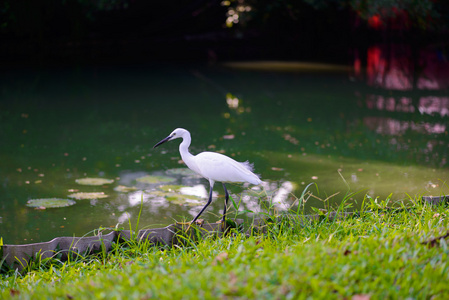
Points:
(205, 206)
(225, 205)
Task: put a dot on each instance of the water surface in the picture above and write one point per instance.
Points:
(328, 126)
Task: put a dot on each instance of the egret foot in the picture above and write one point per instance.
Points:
(183, 223)
(222, 222)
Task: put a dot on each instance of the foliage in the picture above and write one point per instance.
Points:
(25, 18)
(104, 4)
(40, 18)
(426, 14)
(421, 13)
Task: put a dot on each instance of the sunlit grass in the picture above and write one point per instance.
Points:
(378, 252)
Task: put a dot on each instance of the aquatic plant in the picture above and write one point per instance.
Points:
(182, 171)
(125, 189)
(171, 188)
(153, 179)
(91, 195)
(94, 181)
(49, 203)
(175, 197)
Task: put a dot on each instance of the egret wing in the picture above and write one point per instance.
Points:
(219, 167)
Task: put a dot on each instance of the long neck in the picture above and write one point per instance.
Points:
(184, 148)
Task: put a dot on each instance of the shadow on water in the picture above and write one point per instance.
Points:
(380, 130)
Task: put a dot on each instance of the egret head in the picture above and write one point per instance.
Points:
(177, 133)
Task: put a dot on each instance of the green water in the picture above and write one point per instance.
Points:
(58, 125)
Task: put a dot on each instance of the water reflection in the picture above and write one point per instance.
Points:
(403, 104)
(402, 67)
(138, 197)
(123, 218)
(277, 195)
(235, 104)
(393, 67)
(279, 199)
(431, 105)
(391, 126)
(232, 101)
(198, 190)
(434, 105)
(193, 198)
(417, 108)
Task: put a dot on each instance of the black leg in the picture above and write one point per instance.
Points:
(226, 203)
(205, 206)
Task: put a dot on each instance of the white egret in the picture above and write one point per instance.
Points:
(212, 166)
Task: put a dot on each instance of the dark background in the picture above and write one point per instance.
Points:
(43, 32)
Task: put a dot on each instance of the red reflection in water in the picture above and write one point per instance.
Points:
(426, 105)
(430, 105)
(391, 126)
(394, 67)
(393, 73)
(404, 70)
(434, 105)
(403, 104)
(435, 74)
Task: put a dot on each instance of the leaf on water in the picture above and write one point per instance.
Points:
(125, 189)
(49, 203)
(229, 137)
(171, 187)
(94, 181)
(183, 200)
(90, 196)
(177, 198)
(152, 179)
(182, 172)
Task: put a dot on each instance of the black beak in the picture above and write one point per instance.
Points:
(163, 141)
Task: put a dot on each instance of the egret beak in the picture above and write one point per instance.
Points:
(163, 141)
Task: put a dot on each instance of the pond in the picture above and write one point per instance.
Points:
(297, 123)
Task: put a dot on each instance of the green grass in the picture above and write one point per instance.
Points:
(380, 253)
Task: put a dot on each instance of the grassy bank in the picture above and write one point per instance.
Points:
(378, 254)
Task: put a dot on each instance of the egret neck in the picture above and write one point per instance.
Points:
(187, 157)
